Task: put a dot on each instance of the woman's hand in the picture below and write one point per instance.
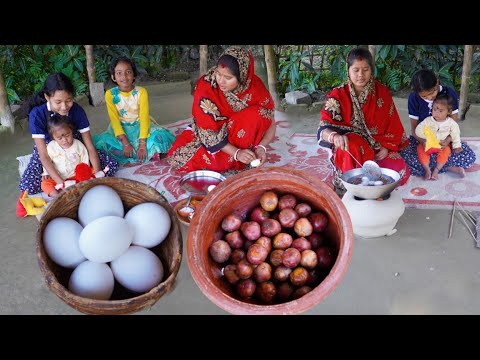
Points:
(245, 156)
(457, 150)
(261, 154)
(142, 152)
(340, 141)
(127, 149)
(381, 153)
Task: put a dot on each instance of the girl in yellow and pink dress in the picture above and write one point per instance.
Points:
(130, 137)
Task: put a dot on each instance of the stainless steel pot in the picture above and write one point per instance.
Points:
(370, 192)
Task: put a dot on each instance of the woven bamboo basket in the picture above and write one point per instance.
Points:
(239, 194)
(122, 300)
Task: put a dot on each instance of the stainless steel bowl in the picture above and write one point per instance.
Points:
(370, 192)
(197, 182)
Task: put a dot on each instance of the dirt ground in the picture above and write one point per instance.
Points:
(418, 270)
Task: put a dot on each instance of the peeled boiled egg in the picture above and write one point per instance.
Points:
(150, 223)
(105, 239)
(255, 163)
(60, 239)
(138, 269)
(92, 280)
(98, 201)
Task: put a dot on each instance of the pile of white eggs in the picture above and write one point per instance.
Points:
(107, 244)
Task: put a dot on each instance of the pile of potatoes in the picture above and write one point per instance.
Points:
(277, 253)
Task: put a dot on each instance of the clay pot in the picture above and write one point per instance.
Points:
(241, 193)
(122, 301)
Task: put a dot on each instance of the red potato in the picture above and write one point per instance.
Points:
(256, 254)
(287, 201)
(237, 255)
(319, 221)
(298, 276)
(287, 217)
(244, 269)
(247, 244)
(298, 293)
(235, 239)
(231, 223)
(266, 242)
(309, 259)
(266, 292)
(276, 257)
(303, 209)
(303, 227)
(315, 277)
(316, 240)
(301, 244)
(251, 230)
(285, 291)
(230, 273)
(282, 241)
(246, 288)
(259, 214)
(282, 273)
(220, 251)
(325, 257)
(262, 272)
(270, 227)
(269, 200)
(291, 258)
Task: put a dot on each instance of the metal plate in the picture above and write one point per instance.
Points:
(197, 182)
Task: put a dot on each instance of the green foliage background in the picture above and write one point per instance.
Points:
(311, 68)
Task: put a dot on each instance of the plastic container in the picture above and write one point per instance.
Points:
(241, 193)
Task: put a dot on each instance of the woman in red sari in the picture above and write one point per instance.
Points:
(233, 118)
(361, 117)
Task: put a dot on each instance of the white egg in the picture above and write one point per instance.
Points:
(100, 200)
(105, 239)
(255, 163)
(60, 239)
(92, 280)
(150, 223)
(139, 269)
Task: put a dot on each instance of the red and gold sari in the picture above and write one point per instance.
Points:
(370, 121)
(240, 117)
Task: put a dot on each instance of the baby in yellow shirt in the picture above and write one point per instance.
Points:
(442, 125)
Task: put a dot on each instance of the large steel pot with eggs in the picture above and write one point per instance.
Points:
(372, 191)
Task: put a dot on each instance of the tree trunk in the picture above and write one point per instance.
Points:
(6, 117)
(271, 73)
(90, 64)
(371, 48)
(203, 59)
(467, 67)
